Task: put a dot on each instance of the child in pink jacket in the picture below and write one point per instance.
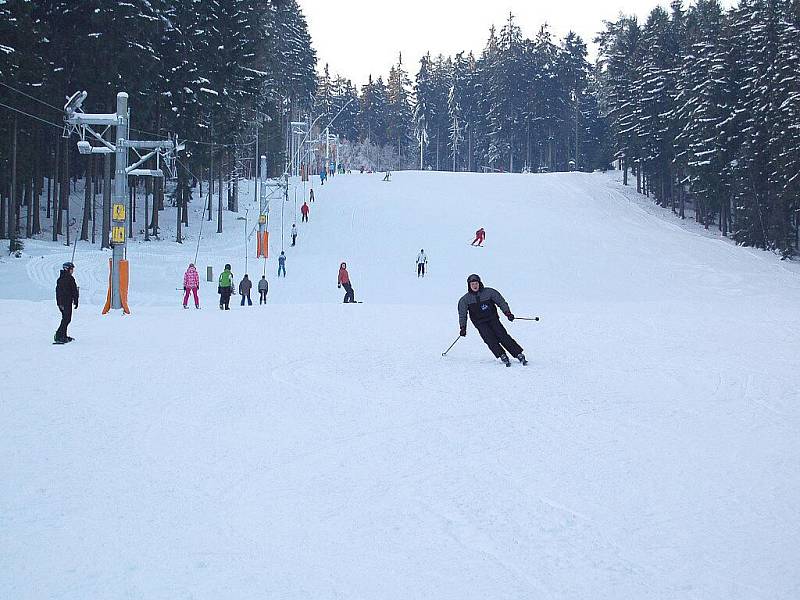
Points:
(191, 283)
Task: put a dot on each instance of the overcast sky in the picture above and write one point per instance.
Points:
(362, 37)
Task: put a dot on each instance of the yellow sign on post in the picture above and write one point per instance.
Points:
(118, 212)
(262, 219)
(118, 235)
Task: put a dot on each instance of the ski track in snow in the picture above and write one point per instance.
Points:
(309, 449)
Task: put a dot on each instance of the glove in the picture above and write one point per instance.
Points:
(463, 332)
(338, 285)
(76, 304)
(509, 316)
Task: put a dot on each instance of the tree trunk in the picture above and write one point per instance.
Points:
(94, 178)
(148, 182)
(219, 191)
(56, 187)
(12, 202)
(624, 170)
(179, 203)
(28, 195)
(157, 190)
(638, 176)
(37, 193)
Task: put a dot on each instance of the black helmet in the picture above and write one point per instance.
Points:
(67, 265)
(227, 267)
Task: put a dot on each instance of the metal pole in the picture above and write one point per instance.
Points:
(119, 236)
(263, 217)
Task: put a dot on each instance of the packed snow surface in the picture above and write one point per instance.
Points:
(312, 449)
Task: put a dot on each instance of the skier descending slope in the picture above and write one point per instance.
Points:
(480, 236)
(481, 304)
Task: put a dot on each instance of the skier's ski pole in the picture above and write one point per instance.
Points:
(451, 345)
(526, 318)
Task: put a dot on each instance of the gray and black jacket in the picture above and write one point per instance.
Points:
(481, 307)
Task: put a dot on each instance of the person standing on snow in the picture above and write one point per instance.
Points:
(323, 175)
(422, 260)
(344, 280)
(282, 264)
(245, 285)
(481, 304)
(66, 299)
(225, 288)
(387, 176)
(304, 212)
(311, 195)
(294, 233)
(191, 283)
(263, 288)
(480, 235)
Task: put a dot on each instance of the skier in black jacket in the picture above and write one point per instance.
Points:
(66, 298)
(481, 304)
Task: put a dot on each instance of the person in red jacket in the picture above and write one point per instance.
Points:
(304, 212)
(480, 235)
(344, 280)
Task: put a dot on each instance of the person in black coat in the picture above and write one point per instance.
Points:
(66, 299)
(481, 304)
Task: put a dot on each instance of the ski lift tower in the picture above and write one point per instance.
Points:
(82, 124)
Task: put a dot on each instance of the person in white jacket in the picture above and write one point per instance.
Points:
(422, 260)
(294, 234)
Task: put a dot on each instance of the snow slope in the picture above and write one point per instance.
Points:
(309, 449)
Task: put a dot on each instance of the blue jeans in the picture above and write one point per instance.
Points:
(281, 268)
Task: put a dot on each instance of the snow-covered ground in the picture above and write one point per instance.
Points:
(310, 449)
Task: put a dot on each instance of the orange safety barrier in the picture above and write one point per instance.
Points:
(262, 245)
(123, 287)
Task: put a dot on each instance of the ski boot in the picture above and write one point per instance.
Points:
(506, 361)
(521, 358)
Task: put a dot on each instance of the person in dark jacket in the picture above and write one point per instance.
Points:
(263, 288)
(245, 285)
(66, 299)
(481, 304)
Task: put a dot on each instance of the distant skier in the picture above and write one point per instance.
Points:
(66, 300)
(245, 285)
(422, 260)
(323, 175)
(191, 283)
(311, 195)
(225, 288)
(294, 233)
(480, 235)
(344, 280)
(282, 264)
(388, 176)
(304, 212)
(481, 304)
(263, 288)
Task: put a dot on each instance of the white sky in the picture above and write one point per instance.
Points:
(362, 37)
